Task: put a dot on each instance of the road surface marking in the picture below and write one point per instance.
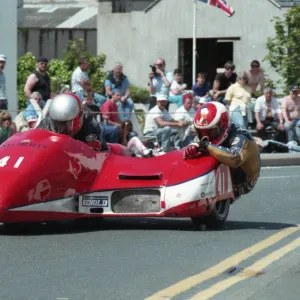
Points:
(258, 265)
(223, 266)
(283, 176)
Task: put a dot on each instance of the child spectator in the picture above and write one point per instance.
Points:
(177, 88)
(89, 106)
(201, 89)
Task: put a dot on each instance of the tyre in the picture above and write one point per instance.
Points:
(217, 217)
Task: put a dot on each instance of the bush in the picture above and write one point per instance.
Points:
(60, 71)
(139, 95)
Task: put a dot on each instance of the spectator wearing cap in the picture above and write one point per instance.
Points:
(159, 123)
(290, 107)
(111, 120)
(39, 80)
(3, 96)
(186, 113)
(80, 82)
(30, 113)
(117, 81)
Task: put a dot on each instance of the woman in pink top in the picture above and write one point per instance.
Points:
(256, 77)
(290, 106)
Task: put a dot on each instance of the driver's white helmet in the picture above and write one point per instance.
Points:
(66, 114)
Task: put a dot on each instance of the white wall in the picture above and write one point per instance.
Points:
(137, 39)
(8, 46)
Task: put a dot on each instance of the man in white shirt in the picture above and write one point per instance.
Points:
(267, 113)
(186, 113)
(3, 95)
(159, 123)
(80, 82)
(159, 81)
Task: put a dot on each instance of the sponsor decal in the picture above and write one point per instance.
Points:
(25, 143)
(203, 121)
(40, 192)
(91, 137)
(178, 195)
(95, 201)
(202, 195)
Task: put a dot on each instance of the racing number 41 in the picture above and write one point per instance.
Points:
(4, 160)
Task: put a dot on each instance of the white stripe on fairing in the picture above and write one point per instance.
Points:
(80, 17)
(66, 205)
(191, 190)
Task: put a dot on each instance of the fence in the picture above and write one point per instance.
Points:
(50, 42)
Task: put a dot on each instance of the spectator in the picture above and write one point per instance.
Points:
(268, 113)
(159, 123)
(111, 123)
(201, 89)
(238, 96)
(256, 77)
(3, 96)
(6, 128)
(80, 82)
(159, 81)
(186, 113)
(223, 81)
(30, 114)
(290, 106)
(39, 81)
(89, 106)
(177, 88)
(116, 81)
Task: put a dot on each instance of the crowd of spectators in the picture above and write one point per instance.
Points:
(173, 130)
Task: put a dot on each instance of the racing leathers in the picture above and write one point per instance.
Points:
(239, 152)
(90, 132)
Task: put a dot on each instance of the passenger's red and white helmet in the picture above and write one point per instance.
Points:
(66, 114)
(212, 120)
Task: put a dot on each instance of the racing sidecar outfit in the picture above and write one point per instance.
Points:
(240, 153)
(89, 133)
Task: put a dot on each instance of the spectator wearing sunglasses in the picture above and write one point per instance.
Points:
(159, 81)
(6, 130)
(39, 80)
(256, 77)
(223, 81)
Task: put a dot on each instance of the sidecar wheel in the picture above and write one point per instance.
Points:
(217, 217)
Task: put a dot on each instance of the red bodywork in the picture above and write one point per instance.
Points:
(39, 169)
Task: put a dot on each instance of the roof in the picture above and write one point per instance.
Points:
(60, 14)
(287, 3)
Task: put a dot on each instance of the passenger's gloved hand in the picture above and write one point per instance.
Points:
(95, 145)
(204, 143)
(192, 151)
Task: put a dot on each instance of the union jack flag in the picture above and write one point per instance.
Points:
(222, 4)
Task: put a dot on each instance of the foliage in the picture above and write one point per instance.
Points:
(25, 66)
(60, 71)
(284, 48)
(139, 95)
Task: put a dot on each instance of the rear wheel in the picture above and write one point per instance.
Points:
(217, 217)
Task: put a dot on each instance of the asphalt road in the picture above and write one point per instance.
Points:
(165, 259)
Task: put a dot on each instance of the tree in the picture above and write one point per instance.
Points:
(284, 48)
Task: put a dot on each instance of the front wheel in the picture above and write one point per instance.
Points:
(217, 217)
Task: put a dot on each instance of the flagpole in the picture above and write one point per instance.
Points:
(194, 43)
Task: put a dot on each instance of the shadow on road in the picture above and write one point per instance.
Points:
(80, 226)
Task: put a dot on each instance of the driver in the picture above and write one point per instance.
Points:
(66, 116)
(228, 143)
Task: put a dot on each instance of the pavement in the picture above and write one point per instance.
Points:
(255, 256)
